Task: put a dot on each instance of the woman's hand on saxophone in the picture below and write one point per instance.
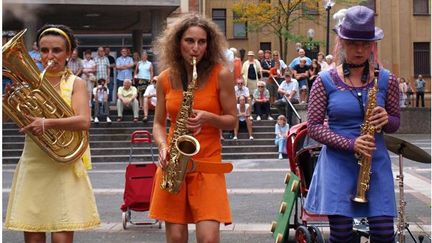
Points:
(379, 118)
(365, 145)
(195, 122)
(163, 155)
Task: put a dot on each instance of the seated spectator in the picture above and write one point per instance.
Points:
(127, 97)
(276, 77)
(100, 94)
(241, 90)
(330, 63)
(289, 90)
(149, 98)
(301, 74)
(243, 112)
(261, 101)
(281, 131)
(314, 69)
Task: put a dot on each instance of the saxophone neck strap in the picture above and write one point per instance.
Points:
(207, 167)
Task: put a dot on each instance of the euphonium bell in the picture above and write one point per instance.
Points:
(31, 94)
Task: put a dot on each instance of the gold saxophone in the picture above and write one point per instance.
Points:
(31, 94)
(363, 178)
(182, 145)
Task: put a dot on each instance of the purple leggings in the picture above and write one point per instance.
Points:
(380, 228)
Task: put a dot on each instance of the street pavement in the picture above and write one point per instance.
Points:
(255, 190)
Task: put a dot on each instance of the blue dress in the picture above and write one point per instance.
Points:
(335, 177)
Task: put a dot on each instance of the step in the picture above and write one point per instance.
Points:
(138, 158)
(146, 150)
(127, 144)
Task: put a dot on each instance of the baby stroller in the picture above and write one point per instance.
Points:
(138, 183)
(302, 156)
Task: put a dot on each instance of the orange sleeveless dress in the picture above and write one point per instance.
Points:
(202, 196)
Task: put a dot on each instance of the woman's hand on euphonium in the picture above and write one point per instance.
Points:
(365, 145)
(379, 118)
(36, 126)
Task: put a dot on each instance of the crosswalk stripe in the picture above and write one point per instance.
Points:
(244, 227)
(231, 191)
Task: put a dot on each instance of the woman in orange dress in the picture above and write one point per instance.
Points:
(202, 198)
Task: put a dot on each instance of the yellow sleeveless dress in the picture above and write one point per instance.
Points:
(47, 196)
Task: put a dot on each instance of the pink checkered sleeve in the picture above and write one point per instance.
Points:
(315, 120)
(392, 106)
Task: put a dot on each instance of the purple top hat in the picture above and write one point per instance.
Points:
(359, 24)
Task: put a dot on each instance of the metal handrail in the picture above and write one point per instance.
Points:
(289, 102)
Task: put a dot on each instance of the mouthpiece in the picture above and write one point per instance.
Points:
(194, 71)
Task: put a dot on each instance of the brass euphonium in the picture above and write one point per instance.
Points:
(31, 94)
(182, 145)
(365, 163)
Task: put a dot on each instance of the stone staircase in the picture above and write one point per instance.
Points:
(111, 142)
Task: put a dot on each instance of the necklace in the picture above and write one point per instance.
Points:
(62, 74)
(56, 74)
(357, 94)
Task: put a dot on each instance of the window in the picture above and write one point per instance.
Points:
(265, 46)
(370, 4)
(240, 28)
(219, 17)
(422, 58)
(421, 7)
(310, 8)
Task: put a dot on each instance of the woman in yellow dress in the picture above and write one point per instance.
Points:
(47, 196)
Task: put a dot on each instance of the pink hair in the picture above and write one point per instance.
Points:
(339, 52)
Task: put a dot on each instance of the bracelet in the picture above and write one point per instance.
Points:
(163, 146)
(43, 125)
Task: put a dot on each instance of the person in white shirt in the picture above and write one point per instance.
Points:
(330, 63)
(240, 89)
(100, 94)
(289, 89)
(243, 112)
(88, 73)
(149, 98)
(251, 71)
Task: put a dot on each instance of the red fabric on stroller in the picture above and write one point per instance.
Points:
(139, 177)
(138, 186)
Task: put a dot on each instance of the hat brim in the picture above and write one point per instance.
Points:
(379, 34)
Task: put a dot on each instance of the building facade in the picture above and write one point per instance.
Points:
(405, 49)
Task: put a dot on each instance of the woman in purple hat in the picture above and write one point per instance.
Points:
(340, 94)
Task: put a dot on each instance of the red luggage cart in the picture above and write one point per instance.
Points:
(139, 178)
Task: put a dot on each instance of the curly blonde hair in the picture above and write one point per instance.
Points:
(167, 45)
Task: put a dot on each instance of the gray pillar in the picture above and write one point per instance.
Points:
(158, 19)
(137, 40)
(32, 27)
(158, 22)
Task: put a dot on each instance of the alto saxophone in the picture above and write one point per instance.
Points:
(182, 145)
(363, 178)
(33, 95)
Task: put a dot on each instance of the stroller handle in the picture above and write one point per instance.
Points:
(141, 136)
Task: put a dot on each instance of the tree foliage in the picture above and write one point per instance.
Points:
(279, 16)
